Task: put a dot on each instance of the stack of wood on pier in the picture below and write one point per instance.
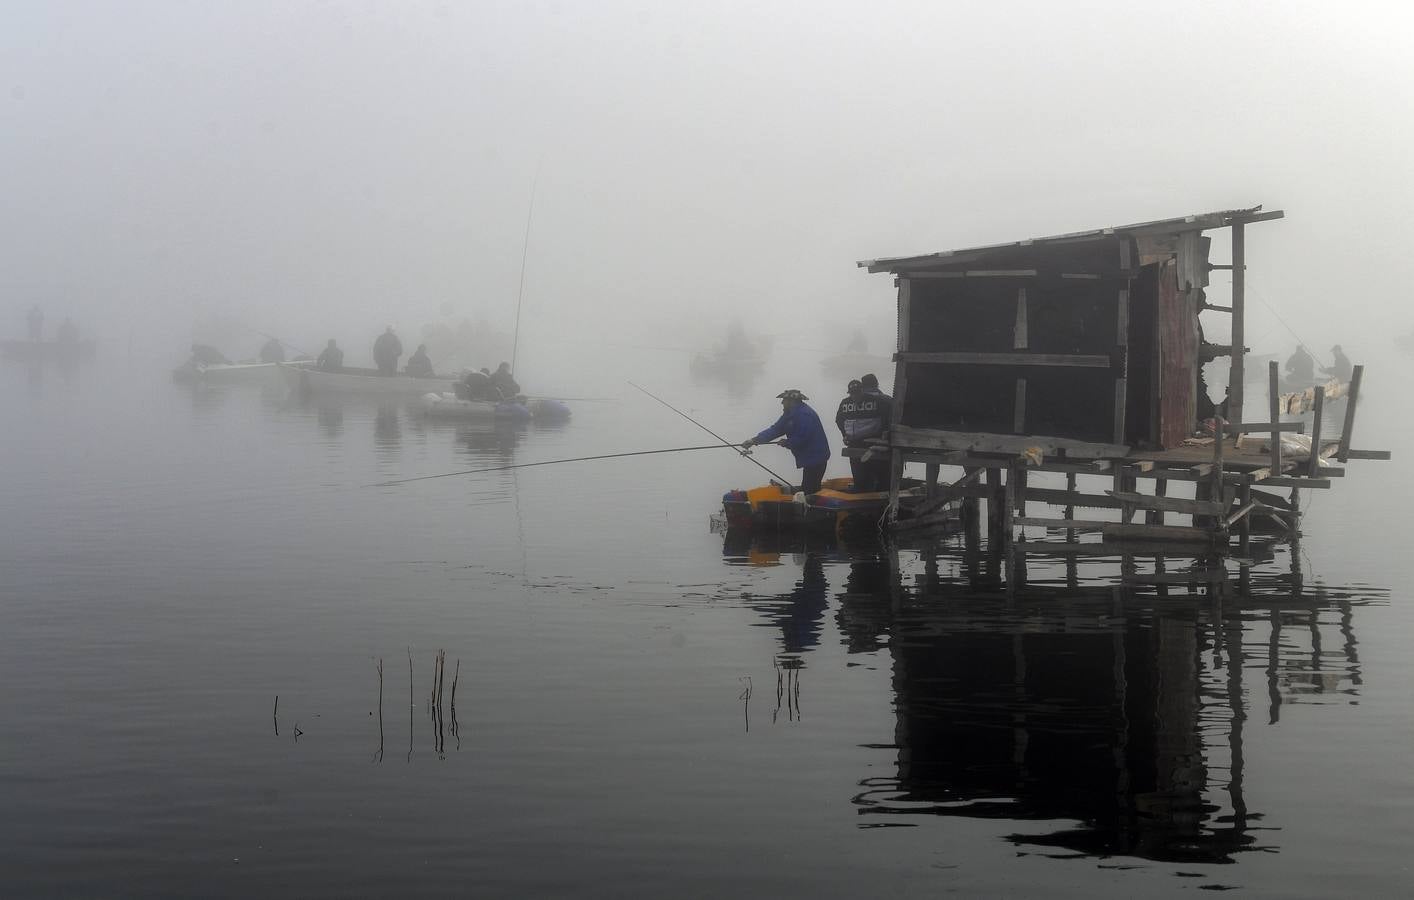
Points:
(1082, 355)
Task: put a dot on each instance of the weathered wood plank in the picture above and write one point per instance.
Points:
(1290, 481)
(1348, 428)
(1062, 524)
(1179, 533)
(1274, 411)
(1007, 359)
(1366, 454)
(986, 442)
(1239, 322)
(1313, 462)
(1169, 504)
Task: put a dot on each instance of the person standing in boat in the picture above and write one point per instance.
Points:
(272, 351)
(860, 420)
(502, 379)
(35, 321)
(804, 437)
(419, 364)
(386, 351)
(331, 359)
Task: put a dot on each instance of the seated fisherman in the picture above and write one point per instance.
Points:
(332, 359)
(419, 365)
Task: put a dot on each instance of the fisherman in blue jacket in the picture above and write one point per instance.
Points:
(805, 438)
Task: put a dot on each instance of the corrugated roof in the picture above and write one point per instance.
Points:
(1197, 222)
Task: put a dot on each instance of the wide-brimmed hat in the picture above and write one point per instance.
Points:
(791, 394)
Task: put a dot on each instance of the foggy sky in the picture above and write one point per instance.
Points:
(318, 168)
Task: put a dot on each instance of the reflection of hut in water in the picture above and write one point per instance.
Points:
(1090, 705)
(1080, 355)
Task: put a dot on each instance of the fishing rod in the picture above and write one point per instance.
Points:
(551, 462)
(785, 481)
(524, 253)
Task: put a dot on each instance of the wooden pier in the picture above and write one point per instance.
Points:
(1055, 377)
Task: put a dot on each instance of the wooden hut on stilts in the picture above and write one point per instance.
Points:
(1081, 355)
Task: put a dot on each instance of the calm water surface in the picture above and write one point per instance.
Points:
(643, 707)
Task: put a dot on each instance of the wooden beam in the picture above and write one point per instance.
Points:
(1063, 524)
(1006, 359)
(1018, 418)
(1367, 454)
(1240, 514)
(1348, 429)
(1181, 533)
(1290, 481)
(1169, 504)
(1239, 336)
(1058, 497)
(1274, 411)
(1313, 462)
(1245, 427)
(987, 442)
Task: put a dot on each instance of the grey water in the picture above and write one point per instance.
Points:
(644, 706)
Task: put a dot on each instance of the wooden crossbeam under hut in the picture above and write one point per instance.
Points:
(1077, 360)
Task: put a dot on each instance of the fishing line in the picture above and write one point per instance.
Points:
(725, 442)
(553, 462)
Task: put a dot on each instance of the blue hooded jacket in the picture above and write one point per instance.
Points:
(805, 436)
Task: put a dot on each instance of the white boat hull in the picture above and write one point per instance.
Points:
(234, 373)
(349, 383)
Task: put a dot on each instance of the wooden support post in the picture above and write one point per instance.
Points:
(996, 500)
(1244, 501)
(895, 482)
(1313, 463)
(1121, 382)
(1008, 504)
(1239, 334)
(1070, 507)
(1161, 488)
(930, 479)
(1274, 413)
(1348, 430)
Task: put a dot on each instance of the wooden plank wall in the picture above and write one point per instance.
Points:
(1178, 359)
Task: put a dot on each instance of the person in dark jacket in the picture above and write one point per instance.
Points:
(504, 382)
(860, 419)
(386, 351)
(1341, 368)
(206, 355)
(331, 360)
(880, 465)
(419, 364)
(272, 351)
(1300, 367)
(804, 437)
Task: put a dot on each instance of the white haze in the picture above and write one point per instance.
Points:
(323, 169)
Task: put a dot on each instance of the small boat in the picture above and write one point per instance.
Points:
(831, 508)
(365, 382)
(42, 350)
(233, 373)
(444, 405)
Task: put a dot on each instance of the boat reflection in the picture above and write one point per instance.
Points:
(1096, 716)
